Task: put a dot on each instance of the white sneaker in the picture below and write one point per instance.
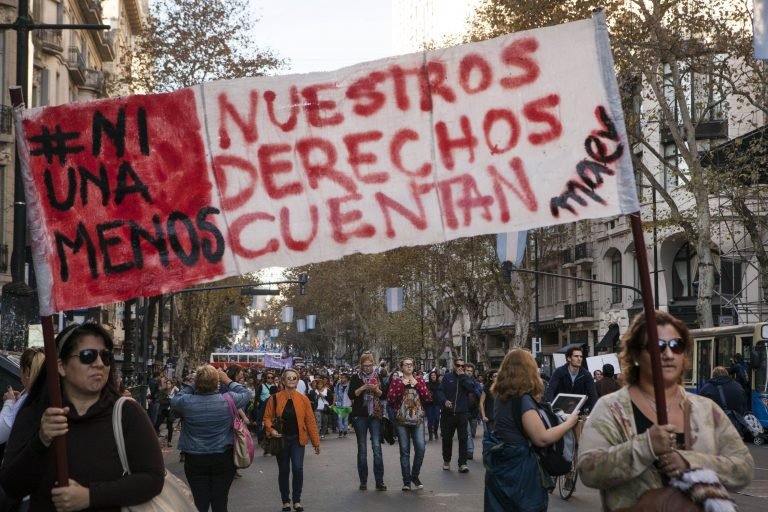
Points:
(406, 487)
(463, 469)
(446, 466)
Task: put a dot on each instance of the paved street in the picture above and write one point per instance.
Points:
(330, 483)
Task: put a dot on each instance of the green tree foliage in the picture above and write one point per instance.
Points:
(188, 42)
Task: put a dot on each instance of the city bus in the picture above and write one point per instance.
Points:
(716, 346)
(244, 359)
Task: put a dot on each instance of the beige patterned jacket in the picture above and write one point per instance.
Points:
(619, 462)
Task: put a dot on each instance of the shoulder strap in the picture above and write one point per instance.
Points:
(722, 395)
(117, 428)
(274, 403)
(232, 406)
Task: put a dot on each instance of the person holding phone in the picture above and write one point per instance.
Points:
(365, 391)
(454, 415)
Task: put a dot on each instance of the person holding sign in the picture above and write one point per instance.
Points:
(624, 452)
(89, 389)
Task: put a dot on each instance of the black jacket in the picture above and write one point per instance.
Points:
(454, 389)
(732, 390)
(560, 382)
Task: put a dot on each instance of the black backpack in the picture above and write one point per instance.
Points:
(557, 458)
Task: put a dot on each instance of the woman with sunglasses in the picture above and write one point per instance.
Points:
(89, 390)
(299, 428)
(208, 435)
(624, 452)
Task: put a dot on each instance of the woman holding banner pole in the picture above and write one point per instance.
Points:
(88, 383)
(625, 450)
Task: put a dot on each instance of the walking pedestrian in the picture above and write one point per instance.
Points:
(323, 412)
(406, 396)
(299, 428)
(263, 392)
(164, 412)
(513, 481)
(455, 413)
(208, 436)
(473, 409)
(343, 405)
(433, 407)
(367, 411)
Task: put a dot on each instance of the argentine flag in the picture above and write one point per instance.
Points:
(760, 32)
(511, 246)
(394, 299)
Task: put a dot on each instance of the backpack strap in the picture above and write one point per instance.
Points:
(722, 395)
(117, 428)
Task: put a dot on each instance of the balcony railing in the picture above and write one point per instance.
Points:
(91, 11)
(6, 119)
(50, 40)
(583, 251)
(94, 80)
(76, 65)
(578, 310)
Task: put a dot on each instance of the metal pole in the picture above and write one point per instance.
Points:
(170, 328)
(145, 348)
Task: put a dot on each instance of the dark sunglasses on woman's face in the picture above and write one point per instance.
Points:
(291, 377)
(89, 355)
(676, 345)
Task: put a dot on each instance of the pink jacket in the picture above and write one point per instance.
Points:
(397, 390)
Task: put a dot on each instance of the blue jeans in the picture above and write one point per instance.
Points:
(433, 417)
(291, 458)
(343, 424)
(404, 436)
(362, 426)
(471, 430)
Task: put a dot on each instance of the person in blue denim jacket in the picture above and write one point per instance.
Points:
(208, 435)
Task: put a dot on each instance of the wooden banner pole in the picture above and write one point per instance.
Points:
(650, 317)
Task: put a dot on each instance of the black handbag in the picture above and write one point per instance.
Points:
(274, 445)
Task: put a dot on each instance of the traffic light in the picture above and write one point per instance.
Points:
(507, 272)
(303, 284)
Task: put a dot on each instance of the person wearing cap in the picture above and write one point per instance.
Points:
(608, 384)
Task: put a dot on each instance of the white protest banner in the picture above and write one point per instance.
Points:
(143, 195)
(597, 362)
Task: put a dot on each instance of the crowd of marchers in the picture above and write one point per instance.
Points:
(624, 451)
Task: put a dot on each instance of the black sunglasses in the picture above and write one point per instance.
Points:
(676, 345)
(88, 356)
